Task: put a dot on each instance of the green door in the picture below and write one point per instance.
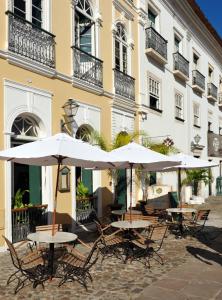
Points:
(121, 189)
(87, 179)
(35, 192)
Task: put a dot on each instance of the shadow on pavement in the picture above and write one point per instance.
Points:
(205, 256)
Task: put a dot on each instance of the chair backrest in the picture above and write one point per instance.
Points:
(157, 234)
(14, 256)
(152, 219)
(99, 227)
(202, 215)
(57, 228)
(133, 216)
(89, 257)
(149, 210)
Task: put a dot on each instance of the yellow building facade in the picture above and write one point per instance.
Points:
(50, 51)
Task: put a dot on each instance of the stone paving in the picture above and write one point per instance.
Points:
(192, 270)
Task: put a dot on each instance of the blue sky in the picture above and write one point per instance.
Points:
(213, 11)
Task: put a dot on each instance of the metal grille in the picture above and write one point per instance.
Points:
(198, 79)
(85, 208)
(155, 41)
(28, 40)
(181, 64)
(87, 67)
(212, 90)
(124, 85)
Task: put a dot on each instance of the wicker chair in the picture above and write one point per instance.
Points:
(75, 264)
(30, 267)
(148, 248)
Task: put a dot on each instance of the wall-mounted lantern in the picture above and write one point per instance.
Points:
(64, 180)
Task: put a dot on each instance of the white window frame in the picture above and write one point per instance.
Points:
(154, 89)
(196, 114)
(210, 78)
(179, 107)
(122, 44)
(46, 9)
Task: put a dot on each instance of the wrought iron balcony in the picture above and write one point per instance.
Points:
(124, 84)
(220, 99)
(198, 82)
(156, 45)
(87, 67)
(181, 66)
(28, 40)
(211, 91)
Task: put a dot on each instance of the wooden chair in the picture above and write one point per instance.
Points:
(76, 264)
(147, 248)
(111, 243)
(29, 267)
(48, 228)
(149, 210)
(197, 225)
(134, 217)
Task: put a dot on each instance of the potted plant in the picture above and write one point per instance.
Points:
(18, 198)
(195, 178)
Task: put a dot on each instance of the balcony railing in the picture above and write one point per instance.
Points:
(28, 40)
(85, 209)
(87, 67)
(198, 79)
(155, 41)
(124, 85)
(181, 64)
(24, 221)
(212, 90)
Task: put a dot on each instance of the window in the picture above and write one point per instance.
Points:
(179, 106)
(30, 10)
(220, 130)
(151, 18)
(121, 49)
(177, 43)
(84, 26)
(209, 126)
(195, 61)
(210, 74)
(196, 115)
(154, 93)
(25, 126)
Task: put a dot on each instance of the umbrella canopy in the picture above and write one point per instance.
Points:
(188, 162)
(136, 156)
(139, 156)
(70, 151)
(56, 150)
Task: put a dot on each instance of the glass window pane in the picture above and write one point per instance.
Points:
(19, 8)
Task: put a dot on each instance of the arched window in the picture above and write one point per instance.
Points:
(84, 133)
(25, 126)
(121, 49)
(84, 26)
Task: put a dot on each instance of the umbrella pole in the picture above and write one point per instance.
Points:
(179, 187)
(131, 190)
(56, 193)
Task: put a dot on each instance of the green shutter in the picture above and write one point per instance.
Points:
(121, 191)
(35, 191)
(87, 179)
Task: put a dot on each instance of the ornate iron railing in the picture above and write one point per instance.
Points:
(28, 40)
(124, 84)
(85, 208)
(212, 90)
(155, 41)
(87, 67)
(181, 64)
(198, 79)
(220, 98)
(25, 219)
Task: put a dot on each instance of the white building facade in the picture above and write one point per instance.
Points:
(180, 80)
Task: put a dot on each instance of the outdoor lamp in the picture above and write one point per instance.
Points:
(197, 138)
(70, 108)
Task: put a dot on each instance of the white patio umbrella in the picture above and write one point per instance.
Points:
(57, 150)
(188, 162)
(136, 156)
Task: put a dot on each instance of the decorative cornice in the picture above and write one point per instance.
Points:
(123, 103)
(121, 9)
(142, 17)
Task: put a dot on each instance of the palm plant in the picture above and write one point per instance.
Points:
(195, 177)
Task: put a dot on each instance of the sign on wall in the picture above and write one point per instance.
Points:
(214, 144)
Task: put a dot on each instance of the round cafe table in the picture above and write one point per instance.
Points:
(121, 212)
(134, 224)
(180, 211)
(47, 237)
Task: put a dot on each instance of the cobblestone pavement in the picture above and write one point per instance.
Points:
(115, 280)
